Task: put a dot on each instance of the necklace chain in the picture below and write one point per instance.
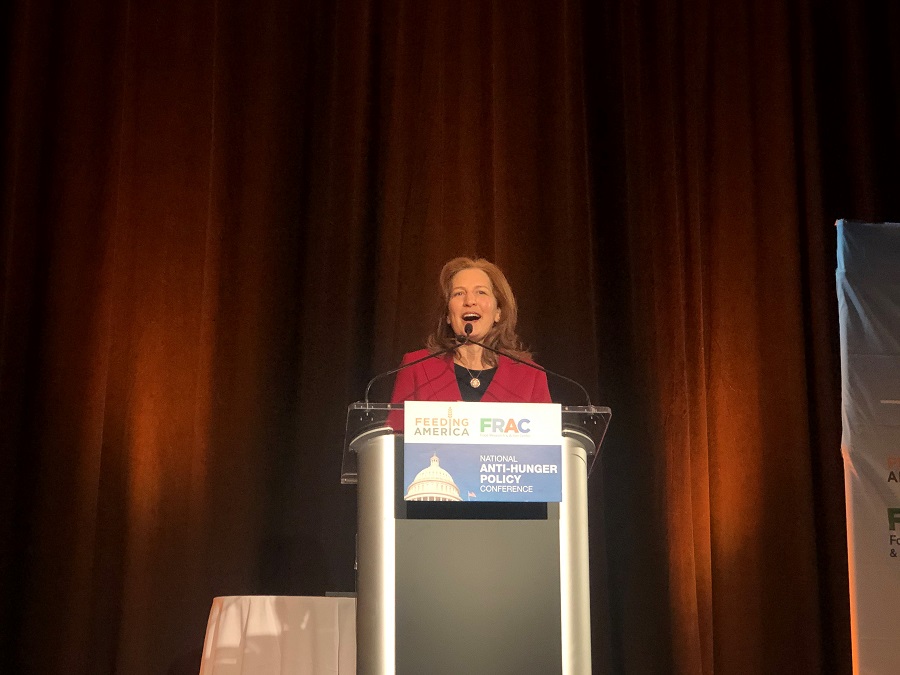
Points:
(474, 382)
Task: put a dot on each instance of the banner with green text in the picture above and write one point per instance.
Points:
(868, 284)
(487, 452)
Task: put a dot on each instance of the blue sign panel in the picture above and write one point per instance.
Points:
(489, 452)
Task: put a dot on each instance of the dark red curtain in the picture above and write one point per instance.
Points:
(221, 218)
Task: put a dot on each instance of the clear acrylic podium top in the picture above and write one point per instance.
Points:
(365, 420)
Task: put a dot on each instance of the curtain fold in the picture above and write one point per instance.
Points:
(219, 221)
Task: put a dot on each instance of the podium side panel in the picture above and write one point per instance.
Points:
(574, 564)
(375, 576)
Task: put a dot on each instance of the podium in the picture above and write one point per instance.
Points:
(469, 587)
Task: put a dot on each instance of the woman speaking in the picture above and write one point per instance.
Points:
(473, 293)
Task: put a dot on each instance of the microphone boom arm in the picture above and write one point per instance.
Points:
(433, 355)
(527, 363)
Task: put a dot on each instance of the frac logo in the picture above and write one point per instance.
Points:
(501, 426)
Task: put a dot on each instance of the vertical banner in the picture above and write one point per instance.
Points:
(487, 452)
(868, 283)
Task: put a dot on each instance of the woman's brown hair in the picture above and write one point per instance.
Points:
(502, 335)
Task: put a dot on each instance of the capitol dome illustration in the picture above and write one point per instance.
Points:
(433, 484)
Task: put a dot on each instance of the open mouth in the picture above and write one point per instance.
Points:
(471, 316)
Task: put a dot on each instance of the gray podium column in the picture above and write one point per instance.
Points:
(466, 587)
(375, 577)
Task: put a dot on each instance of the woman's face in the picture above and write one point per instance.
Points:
(472, 301)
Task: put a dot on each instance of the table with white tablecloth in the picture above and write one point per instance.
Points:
(280, 635)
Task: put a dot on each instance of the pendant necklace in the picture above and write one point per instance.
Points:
(474, 382)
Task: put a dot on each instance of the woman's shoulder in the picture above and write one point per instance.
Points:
(528, 363)
(412, 356)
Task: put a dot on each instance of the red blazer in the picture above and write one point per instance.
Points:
(435, 380)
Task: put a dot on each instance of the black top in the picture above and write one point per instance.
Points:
(463, 377)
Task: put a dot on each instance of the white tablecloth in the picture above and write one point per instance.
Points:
(280, 635)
